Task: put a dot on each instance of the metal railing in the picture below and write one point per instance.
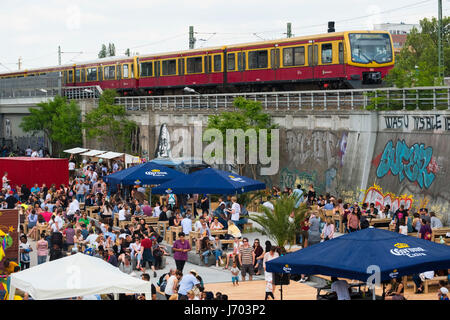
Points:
(426, 98)
(28, 87)
(88, 92)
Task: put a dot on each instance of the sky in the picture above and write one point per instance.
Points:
(33, 30)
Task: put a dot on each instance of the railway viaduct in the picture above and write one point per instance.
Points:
(330, 139)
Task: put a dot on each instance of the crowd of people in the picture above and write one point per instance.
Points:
(138, 245)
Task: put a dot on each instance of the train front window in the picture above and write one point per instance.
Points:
(370, 47)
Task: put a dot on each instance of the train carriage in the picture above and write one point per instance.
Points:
(351, 59)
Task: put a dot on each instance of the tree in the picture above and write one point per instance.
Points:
(108, 123)
(59, 120)
(103, 52)
(276, 225)
(417, 63)
(111, 50)
(248, 114)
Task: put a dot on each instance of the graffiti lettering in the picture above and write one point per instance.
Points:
(375, 195)
(396, 122)
(427, 123)
(318, 147)
(419, 123)
(411, 162)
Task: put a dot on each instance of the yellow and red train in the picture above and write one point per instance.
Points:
(351, 59)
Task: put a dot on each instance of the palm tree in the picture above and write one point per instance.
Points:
(276, 225)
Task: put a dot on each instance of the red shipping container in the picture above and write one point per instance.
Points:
(28, 171)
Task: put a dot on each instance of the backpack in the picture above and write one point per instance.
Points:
(162, 282)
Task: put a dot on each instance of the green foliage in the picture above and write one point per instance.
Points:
(103, 53)
(417, 63)
(276, 224)
(109, 51)
(248, 114)
(59, 120)
(109, 124)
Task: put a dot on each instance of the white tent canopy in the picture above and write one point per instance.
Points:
(93, 153)
(110, 155)
(74, 276)
(76, 150)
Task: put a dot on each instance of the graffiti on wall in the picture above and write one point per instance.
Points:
(375, 195)
(291, 178)
(415, 163)
(323, 147)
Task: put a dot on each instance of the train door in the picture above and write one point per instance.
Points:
(157, 73)
(313, 59)
(181, 75)
(241, 66)
(274, 62)
(207, 67)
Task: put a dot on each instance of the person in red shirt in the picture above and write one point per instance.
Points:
(46, 215)
(147, 254)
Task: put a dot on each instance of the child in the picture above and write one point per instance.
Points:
(443, 291)
(235, 274)
(269, 290)
(403, 229)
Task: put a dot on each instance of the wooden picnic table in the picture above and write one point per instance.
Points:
(162, 226)
(193, 235)
(436, 233)
(90, 211)
(153, 221)
(220, 232)
(175, 230)
(338, 218)
(41, 228)
(373, 221)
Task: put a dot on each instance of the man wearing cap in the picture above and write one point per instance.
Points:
(11, 200)
(443, 293)
(187, 283)
(220, 214)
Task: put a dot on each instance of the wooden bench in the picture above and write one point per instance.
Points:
(428, 282)
(247, 226)
(173, 230)
(374, 222)
(161, 227)
(220, 232)
(123, 223)
(152, 221)
(437, 233)
(193, 236)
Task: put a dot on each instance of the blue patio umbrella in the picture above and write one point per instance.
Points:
(210, 181)
(357, 254)
(143, 174)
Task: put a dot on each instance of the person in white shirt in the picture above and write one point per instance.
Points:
(157, 210)
(5, 181)
(268, 204)
(198, 223)
(34, 154)
(91, 238)
(341, 288)
(235, 212)
(59, 220)
(122, 215)
(73, 207)
(28, 151)
(186, 223)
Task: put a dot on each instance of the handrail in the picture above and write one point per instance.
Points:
(366, 99)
